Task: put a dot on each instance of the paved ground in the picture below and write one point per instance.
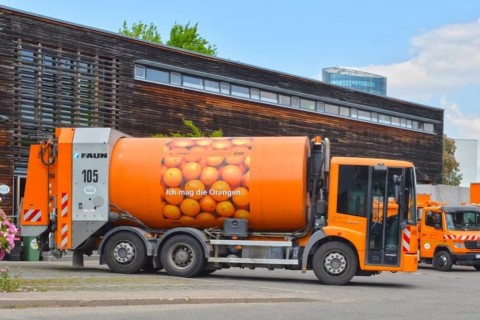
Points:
(58, 284)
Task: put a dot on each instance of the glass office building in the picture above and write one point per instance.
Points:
(356, 80)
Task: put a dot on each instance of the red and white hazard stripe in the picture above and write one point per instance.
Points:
(32, 215)
(463, 237)
(64, 204)
(64, 232)
(406, 239)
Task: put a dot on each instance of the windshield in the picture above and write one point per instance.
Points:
(466, 220)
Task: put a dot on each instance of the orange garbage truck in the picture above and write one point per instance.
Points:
(191, 206)
(449, 235)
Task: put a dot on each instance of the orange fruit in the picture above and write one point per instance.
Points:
(240, 141)
(209, 175)
(173, 177)
(208, 204)
(174, 195)
(191, 170)
(190, 207)
(182, 143)
(246, 180)
(242, 214)
(220, 190)
(205, 217)
(240, 196)
(221, 144)
(214, 161)
(171, 212)
(232, 174)
(195, 154)
(186, 219)
(225, 209)
(204, 142)
(174, 157)
(195, 189)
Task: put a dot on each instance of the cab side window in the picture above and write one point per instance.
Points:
(352, 190)
(429, 220)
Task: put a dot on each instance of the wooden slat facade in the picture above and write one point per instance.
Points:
(107, 94)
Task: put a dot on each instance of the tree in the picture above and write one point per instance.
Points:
(193, 131)
(451, 173)
(141, 31)
(181, 36)
(187, 37)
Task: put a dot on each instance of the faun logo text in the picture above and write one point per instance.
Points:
(90, 155)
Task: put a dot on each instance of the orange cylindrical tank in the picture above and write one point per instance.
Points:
(198, 182)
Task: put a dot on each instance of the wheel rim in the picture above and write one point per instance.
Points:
(181, 256)
(124, 252)
(442, 261)
(335, 263)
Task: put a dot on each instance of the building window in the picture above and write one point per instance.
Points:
(345, 111)
(285, 100)
(176, 78)
(192, 82)
(139, 71)
(295, 102)
(307, 104)
(224, 88)
(364, 115)
(157, 76)
(268, 96)
(396, 121)
(213, 86)
(320, 106)
(332, 109)
(240, 91)
(383, 118)
(428, 127)
(255, 93)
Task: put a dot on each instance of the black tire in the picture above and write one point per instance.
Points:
(125, 252)
(477, 267)
(182, 256)
(335, 263)
(443, 261)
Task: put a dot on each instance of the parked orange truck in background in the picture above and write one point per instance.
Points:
(191, 206)
(449, 235)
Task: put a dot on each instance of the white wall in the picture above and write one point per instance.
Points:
(466, 155)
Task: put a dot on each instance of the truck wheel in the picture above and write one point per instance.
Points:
(335, 263)
(125, 252)
(477, 267)
(442, 261)
(182, 256)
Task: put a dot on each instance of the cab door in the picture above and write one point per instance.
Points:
(383, 245)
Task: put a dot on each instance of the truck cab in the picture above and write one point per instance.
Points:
(450, 235)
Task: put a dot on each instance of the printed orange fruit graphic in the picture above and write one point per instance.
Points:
(173, 177)
(190, 207)
(205, 180)
(225, 209)
(171, 212)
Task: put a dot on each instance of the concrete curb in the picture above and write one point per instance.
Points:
(59, 303)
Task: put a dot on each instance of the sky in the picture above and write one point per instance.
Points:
(429, 50)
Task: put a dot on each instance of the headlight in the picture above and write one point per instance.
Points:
(459, 245)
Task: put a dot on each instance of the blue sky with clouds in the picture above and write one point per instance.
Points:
(429, 49)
